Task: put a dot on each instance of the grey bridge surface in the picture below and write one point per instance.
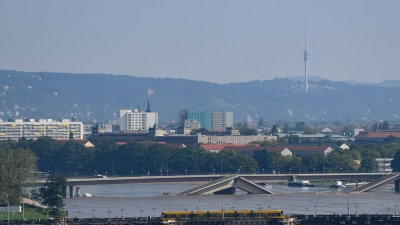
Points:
(227, 183)
(235, 180)
(378, 183)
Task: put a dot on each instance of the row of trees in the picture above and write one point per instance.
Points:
(132, 158)
(73, 158)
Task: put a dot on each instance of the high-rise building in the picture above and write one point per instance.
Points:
(137, 120)
(32, 129)
(210, 120)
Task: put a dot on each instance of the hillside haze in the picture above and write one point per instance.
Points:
(92, 97)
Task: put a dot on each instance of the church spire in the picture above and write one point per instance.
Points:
(148, 106)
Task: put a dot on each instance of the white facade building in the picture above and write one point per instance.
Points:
(137, 120)
(32, 129)
(221, 120)
(384, 164)
(213, 139)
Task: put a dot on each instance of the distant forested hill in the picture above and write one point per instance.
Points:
(89, 97)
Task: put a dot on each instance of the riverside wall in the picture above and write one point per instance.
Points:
(290, 220)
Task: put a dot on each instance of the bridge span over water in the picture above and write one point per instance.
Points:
(380, 178)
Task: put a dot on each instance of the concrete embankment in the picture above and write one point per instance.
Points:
(291, 220)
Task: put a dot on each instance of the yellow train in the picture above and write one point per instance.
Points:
(172, 216)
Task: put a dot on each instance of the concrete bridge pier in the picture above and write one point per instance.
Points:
(78, 191)
(397, 185)
(71, 191)
(64, 191)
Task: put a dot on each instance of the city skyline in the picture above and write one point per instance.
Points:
(208, 41)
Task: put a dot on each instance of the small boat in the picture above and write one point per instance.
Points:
(87, 195)
(299, 183)
(337, 184)
(99, 176)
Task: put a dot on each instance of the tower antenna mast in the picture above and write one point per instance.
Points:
(305, 58)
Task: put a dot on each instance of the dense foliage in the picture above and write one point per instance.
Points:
(88, 97)
(109, 158)
(15, 164)
(52, 192)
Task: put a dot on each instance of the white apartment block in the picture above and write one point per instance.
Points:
(214, 139)
(137, 120)
(33, 129)
(384, 164)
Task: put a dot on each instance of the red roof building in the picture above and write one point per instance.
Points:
(83, 142)
(376, 136)
(244, 149)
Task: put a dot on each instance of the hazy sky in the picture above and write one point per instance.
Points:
(217, 41)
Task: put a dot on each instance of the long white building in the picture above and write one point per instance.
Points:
(32, 129)
(137, 120)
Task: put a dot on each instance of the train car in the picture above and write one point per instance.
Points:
(173, 216)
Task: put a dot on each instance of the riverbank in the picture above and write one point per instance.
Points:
(290, 220)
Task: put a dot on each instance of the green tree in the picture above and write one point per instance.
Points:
(385, 125)
(395, 164)
(52, 192)
(368, 164)
(286, 128)
(309, 130)
(248, 132)
(261, 123)
(15, 165)
(202, 130)
(293, 139)
(274, 129)
(71, 135)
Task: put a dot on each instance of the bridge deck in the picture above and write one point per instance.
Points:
(378, 183)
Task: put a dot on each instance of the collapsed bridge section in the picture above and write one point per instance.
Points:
(227, 185)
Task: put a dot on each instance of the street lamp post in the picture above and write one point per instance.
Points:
(213, 171)
(141, 214)
(8, 210)
(259, 210)
(109, 214)
(185, 213)
(186, 172)
(356, 210)
(122, 211)
(395, 210)
(315, 210)
(263, 170)
(92, 213)
(306, 212)
(223, 210)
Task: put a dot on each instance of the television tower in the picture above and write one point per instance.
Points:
(305, 59)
